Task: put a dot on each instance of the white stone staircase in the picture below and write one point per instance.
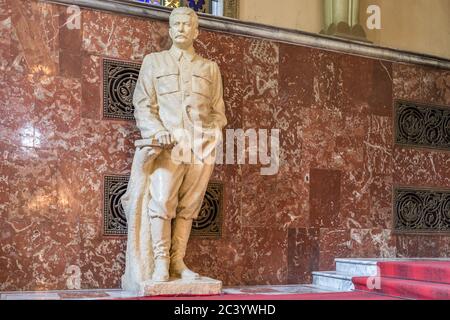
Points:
(346, 269)
(341, 279)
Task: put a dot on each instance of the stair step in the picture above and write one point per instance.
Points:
(431, 271)
(404, 288)
(333, 280)
(356, 267)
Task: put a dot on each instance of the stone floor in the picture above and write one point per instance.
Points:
(107, 294)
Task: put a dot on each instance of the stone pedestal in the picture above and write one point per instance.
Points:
(179, 287)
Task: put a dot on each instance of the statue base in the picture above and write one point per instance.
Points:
(180, 287)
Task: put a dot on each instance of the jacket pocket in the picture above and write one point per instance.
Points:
(201, 83)
(167, 82)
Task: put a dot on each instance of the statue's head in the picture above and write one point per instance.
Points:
(183, 27)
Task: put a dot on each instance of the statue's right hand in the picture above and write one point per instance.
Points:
(165, 138)
(150, 152)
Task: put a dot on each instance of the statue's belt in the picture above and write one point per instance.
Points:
(153, 143)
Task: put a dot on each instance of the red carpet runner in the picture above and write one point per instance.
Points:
(427, 280)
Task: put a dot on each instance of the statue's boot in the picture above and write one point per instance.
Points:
(181, 230)
(161, 230)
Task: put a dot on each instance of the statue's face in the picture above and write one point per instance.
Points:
(183, 31)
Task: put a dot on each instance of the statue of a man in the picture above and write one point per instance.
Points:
(177, 90)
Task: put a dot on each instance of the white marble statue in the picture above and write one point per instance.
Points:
(177, 93)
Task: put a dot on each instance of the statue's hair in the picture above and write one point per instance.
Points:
(184, 11)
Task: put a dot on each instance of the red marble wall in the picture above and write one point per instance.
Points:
(333, 194)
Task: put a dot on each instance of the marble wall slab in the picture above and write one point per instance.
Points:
(331, 198)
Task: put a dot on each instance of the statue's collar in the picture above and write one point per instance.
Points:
(177, 53)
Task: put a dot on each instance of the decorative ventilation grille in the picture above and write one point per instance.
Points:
(119, 81)
(421, 210)
(115, 222)
(208, 224)
(422, 126)
(209, 221)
